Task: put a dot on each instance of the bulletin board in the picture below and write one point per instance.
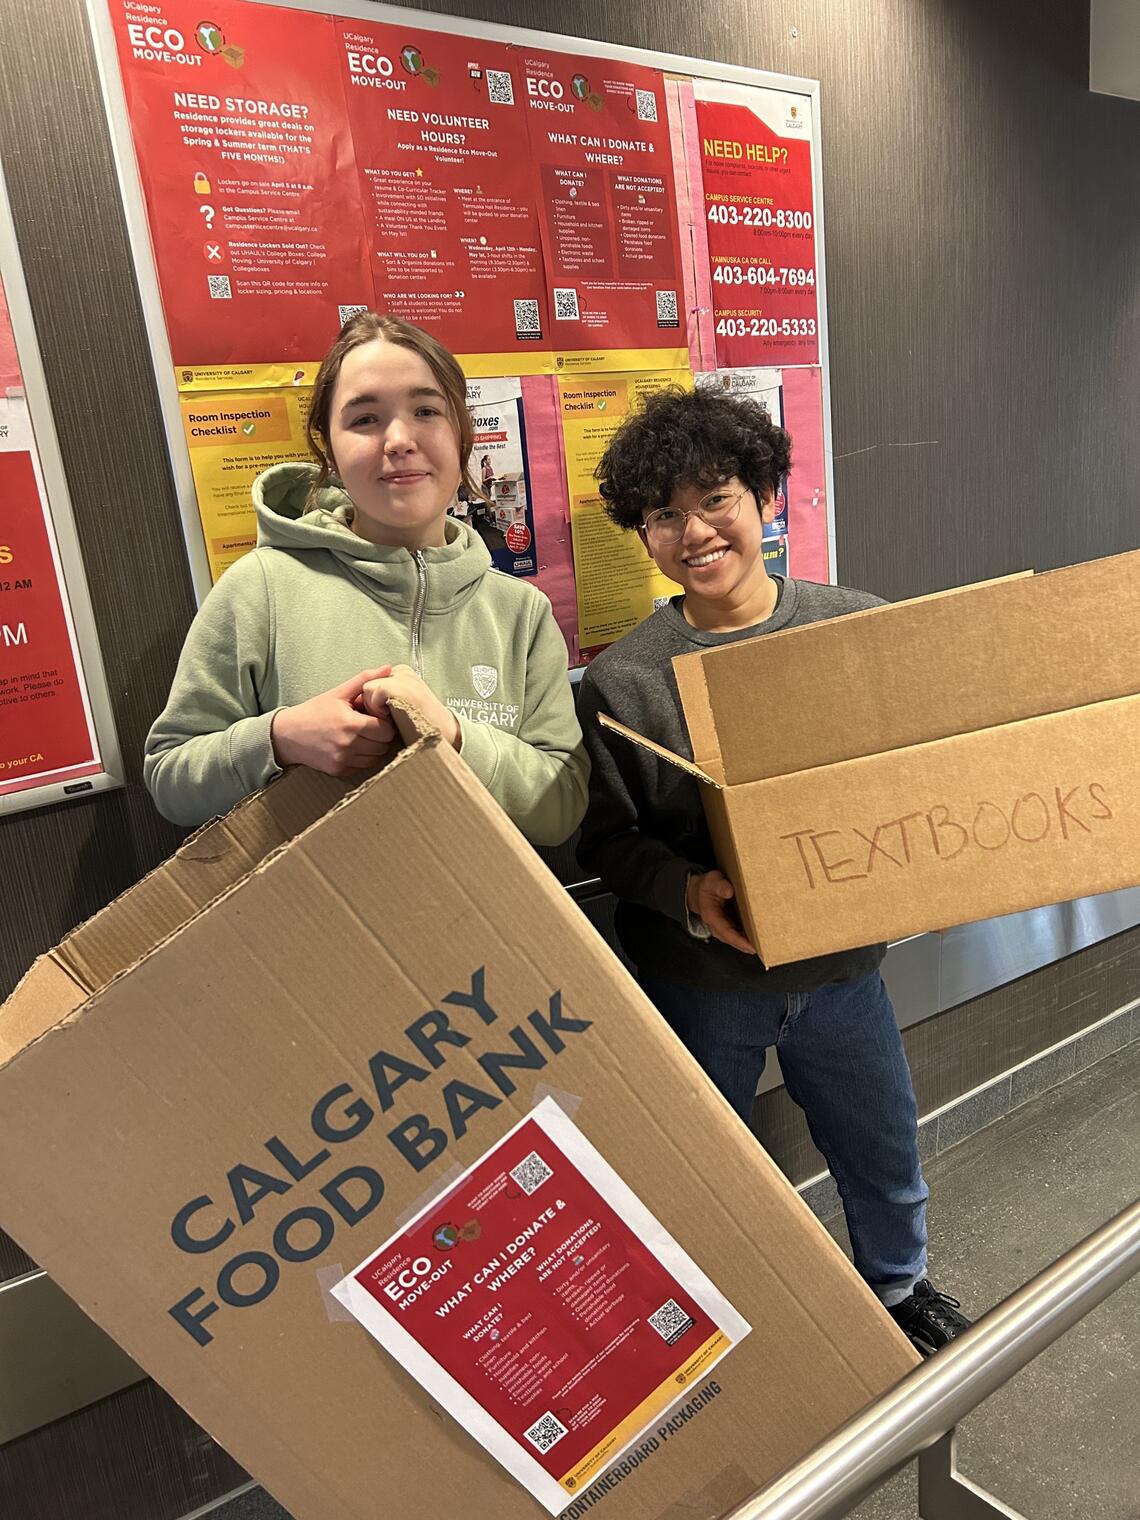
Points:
(57, 737)
(580, 223)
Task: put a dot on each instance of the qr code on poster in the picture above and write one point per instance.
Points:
(220, 287)
(546, 1432)
(344, 312)
(531, 1172)
(671, 1321)
(500, 89)
(667, 308)
(660, 601)
(646, 105)
(527, 323)
(565, 305)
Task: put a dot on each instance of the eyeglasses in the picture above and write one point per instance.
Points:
(719, 508)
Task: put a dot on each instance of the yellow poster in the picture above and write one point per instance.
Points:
(232, 438)
(245, 377)
(618, 583)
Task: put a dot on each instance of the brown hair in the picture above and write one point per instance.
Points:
(364, 327)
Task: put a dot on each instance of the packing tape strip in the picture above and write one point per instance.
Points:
(730, 1487)
(327, 1279)
(569, 1103)
(441, 1184)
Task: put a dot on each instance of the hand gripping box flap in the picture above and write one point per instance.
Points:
(907, 673)
(289, 1071)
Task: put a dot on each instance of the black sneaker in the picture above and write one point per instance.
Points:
(928, 1318)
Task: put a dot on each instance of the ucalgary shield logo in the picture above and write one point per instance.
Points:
(484, 678)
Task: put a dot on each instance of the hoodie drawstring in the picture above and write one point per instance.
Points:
(418, 611)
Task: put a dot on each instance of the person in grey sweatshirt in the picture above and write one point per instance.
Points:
(363, 589)
(695, 475)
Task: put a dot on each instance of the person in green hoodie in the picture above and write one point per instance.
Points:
(363, 589)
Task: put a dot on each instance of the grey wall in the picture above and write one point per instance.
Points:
(983, 254)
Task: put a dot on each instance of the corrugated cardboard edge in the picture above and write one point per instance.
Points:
(45, 993)
(115, 937)
(718, 815)
(71, 1010)
(656, 749)
(693, 687)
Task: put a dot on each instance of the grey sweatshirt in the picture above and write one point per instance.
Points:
(645, 827)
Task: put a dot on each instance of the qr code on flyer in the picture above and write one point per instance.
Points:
(565, 305)
(646, 105)
(220, 287)
(344, 312)
(667, 308)
(546, 1432)
(531, 1172)
(671, 1321)
(500, 89)
(527, 322)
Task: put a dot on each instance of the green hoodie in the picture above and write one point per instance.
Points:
(312, 605)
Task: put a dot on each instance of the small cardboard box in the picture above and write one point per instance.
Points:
(509, 494)
(914, 766)
(222, 1093)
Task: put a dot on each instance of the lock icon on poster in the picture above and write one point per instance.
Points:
(201, 184)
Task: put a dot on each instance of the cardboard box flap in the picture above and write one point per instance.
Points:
(211, 861)
(656, 749)
(904, 674)
(43, 997)
(699, 720)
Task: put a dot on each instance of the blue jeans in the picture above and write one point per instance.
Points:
(843, 1063)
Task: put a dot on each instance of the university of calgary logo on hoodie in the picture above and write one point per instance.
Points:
(485, 679)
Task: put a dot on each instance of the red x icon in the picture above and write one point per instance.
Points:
(213, 253)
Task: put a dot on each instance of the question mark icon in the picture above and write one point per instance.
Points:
(209, 213)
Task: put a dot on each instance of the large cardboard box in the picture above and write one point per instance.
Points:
(225, 1091)
(924, 764)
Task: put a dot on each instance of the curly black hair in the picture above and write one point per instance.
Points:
(680, 438)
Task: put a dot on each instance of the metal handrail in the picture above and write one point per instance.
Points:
(934, 1397)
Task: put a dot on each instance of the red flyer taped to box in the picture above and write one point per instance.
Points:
(544, 1307)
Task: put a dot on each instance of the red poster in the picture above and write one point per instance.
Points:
(809, 553)
(438, 122)
(600, 146)
(243, 144)
(10, 379)
(759, 212)
(45, 732)
(543, 1305)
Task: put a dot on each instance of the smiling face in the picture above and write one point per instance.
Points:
(719, 565)
(394, 444)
